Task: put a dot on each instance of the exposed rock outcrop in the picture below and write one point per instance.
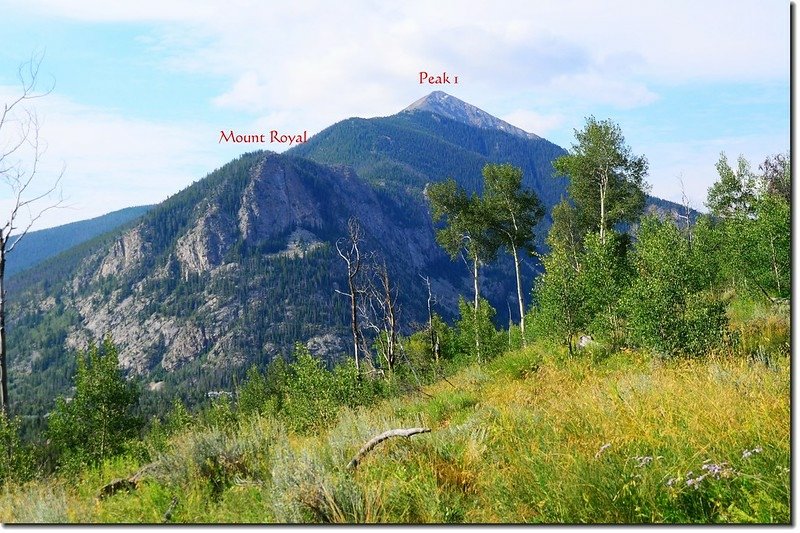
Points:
(204, 246)
(125, 254)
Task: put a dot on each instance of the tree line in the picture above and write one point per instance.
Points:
(626, 279)
(613, 275)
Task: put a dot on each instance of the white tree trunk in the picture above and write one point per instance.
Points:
(475, 310)
(519, 294)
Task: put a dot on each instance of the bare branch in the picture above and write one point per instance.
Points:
(28, 82)
(353, 261)
(20, 179)
(58, 205)
(380, 438)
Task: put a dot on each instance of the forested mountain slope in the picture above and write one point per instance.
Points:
(233, 270)
(40, 245)
(242, 264)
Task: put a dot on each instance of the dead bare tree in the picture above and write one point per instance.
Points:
(379, 313)
(410, 432)
(20, 142)
(434, 337)
(687, 210)
(351, 255)
(387, 303)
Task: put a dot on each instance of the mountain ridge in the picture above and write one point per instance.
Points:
(447, 105)
(239, 266)
(233, 270)
(40, 245)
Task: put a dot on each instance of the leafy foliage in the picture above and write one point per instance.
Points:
(753, 217)
(309, 399)
(16, 459)
(95, 423)
(605, 275)
(513, 211)
(263, 393)
(471, 326)
(606, 178)
(758, 247)
(735, 192)
(580, 291)
(466, 219)
(559, 308)
(565, 232)
(777, 176)
(669, 306)
(514, 214)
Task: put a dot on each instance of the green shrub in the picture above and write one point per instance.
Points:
(16, 459)
(220, 413)
(98, 420)
(310, 400)
(309, 488)
(252, 396)
(484, 345)
(668, 306)
(263, 393)
(218, 458)
(352, 391)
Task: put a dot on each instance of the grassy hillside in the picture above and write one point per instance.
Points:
(533, 436)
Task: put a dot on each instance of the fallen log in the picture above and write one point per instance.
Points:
(380, 438)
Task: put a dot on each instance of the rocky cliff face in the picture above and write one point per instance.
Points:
(125, 255)
(276, 200)
(211, 292)
(204, 246)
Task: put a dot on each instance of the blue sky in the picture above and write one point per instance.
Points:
(143, 89)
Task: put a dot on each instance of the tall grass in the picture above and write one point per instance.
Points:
(558, 441)
(533, 436)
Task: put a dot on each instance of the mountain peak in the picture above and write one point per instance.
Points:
(441, 103)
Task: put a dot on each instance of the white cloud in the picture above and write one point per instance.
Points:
(601, 89)
(324, 62)
(248, 93)
(534, 122)
(141, 10)
(111, 161)
(303, 66)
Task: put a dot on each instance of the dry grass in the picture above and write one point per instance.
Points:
(530, 437)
